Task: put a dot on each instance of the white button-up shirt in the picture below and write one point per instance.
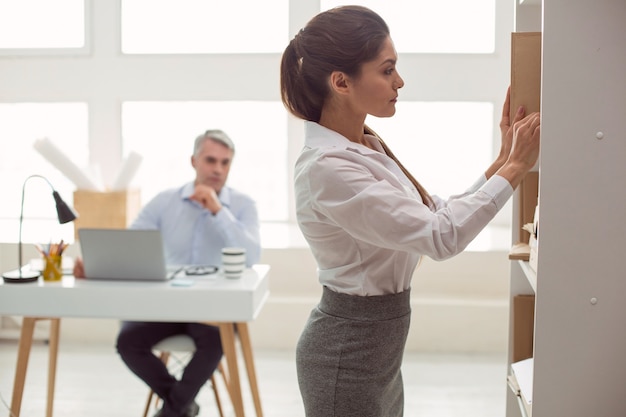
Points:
(366, 223)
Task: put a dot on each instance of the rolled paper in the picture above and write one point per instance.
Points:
(64, 164)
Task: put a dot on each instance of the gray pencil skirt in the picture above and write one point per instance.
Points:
(349, 356)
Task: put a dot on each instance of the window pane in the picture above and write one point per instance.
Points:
(42, 24)
(441, 26)
(200, 26)
(164, 132)
(65, 125)
(446, 156)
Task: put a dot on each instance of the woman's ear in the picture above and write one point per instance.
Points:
(339, 82)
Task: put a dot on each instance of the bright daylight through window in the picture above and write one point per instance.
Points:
(167, 70)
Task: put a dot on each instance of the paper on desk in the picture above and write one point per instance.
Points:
(61, 162)
(127, 172)
(523, 371)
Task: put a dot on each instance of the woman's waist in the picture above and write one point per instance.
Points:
(366, 277)
(366, 308)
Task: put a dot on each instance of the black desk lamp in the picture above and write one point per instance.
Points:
(66, 214)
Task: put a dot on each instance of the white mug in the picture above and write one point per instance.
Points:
(233, 261)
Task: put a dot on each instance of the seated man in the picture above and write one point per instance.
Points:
(196, 221)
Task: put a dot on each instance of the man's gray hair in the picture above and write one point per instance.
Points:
(215, 135)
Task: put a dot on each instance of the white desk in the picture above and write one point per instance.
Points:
(228, 303)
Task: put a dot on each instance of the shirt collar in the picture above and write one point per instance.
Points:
(318, 136)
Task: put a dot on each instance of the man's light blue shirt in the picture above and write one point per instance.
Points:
(192, 235)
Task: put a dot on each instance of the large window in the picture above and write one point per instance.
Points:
(62, 127)
(200, 26)
(159, 72)
(441, 27)
(163, 134)
(42, 24)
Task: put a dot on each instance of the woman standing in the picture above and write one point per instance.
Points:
(365, 218)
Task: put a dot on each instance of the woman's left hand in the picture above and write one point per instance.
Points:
(506, 127)
(506, 132)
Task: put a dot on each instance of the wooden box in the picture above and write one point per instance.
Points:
(108, 210)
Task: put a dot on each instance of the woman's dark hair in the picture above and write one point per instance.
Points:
(339, 39)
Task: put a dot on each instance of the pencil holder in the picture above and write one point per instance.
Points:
(52, 268)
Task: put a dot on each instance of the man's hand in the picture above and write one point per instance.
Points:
(79, 268)
(206, 196)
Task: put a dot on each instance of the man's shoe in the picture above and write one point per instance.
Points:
(192, 410)
(166, 412)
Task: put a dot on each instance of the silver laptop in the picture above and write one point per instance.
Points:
(124, 254)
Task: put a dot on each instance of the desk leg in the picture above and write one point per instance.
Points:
(227, 333)
(246, 347)
(53, 351)
(23, 354)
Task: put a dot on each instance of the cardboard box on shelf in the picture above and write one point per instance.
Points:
(525, 91)
(528, 195)
(108, 210)
(523, 326)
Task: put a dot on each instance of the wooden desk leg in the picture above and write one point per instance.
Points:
(227, 333)
(246, 347)
(53, 351)
(23, 354)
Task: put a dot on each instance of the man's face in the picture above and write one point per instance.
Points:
(212, 164)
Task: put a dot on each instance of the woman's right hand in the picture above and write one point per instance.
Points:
(524, 149)
(526, 134)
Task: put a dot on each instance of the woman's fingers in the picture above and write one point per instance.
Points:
(526, 142)
(529, 123)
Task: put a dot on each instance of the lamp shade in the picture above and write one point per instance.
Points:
(65, 212)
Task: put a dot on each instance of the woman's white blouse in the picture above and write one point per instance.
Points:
(365, 222)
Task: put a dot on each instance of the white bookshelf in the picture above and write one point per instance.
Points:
(579, 352)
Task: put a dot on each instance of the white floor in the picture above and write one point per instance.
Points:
(93, 382)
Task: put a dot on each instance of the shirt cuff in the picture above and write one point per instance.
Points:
(499, 189)
(476, 186)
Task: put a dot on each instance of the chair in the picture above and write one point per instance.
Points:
(184, 343)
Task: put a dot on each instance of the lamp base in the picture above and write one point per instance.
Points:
(20, 277)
